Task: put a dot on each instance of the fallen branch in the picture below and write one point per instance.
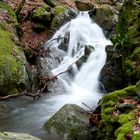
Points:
(88, 107)
(2, 98)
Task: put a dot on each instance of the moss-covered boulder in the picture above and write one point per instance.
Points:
(16, 136)
(71, 121)
(58, 16)
(62, 14)
(119, 115)
(42, 14)
(42, 17)
(12, 60)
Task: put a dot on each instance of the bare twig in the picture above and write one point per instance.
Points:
(88, 107)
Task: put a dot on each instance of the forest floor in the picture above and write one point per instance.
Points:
(29, 37)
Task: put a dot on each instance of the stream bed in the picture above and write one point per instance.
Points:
(25, 115)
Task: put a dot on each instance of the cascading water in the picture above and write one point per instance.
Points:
(79, 33)
(67, 46)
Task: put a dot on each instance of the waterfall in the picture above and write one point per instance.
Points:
(75, 36)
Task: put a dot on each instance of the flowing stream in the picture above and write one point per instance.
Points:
(80, 83)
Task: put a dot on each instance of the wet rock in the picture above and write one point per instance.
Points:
(106, 17)
(16, 136)
(42, 15)
(71, 121)
(84, 6)
(83, 59)
(62, 15)
(112, 74)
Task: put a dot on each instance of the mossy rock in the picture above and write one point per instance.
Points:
(12, 64)
(60, 10)
(4, 7)
(116, 123)
(127, 129)
(58, 15)
(69, 122)
(42, 15)
(12, 59)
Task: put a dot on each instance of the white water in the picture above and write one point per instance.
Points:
(27, 116)
(84, 87)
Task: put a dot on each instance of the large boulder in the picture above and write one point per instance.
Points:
(42, 17)
(71, 121)
(16, 136)
(13, 76)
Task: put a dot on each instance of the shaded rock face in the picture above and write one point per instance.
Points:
(13, 76)
(71, 121)
(16, 136)
(111, 74)
(127, 39)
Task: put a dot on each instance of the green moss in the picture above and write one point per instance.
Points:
(5, 6)
(116, 95)
(136, 136)
(107, 114)
(42, 14)
(11, 62)
(124, 129)
(118, 118)
(59, 10)
(124, 118)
